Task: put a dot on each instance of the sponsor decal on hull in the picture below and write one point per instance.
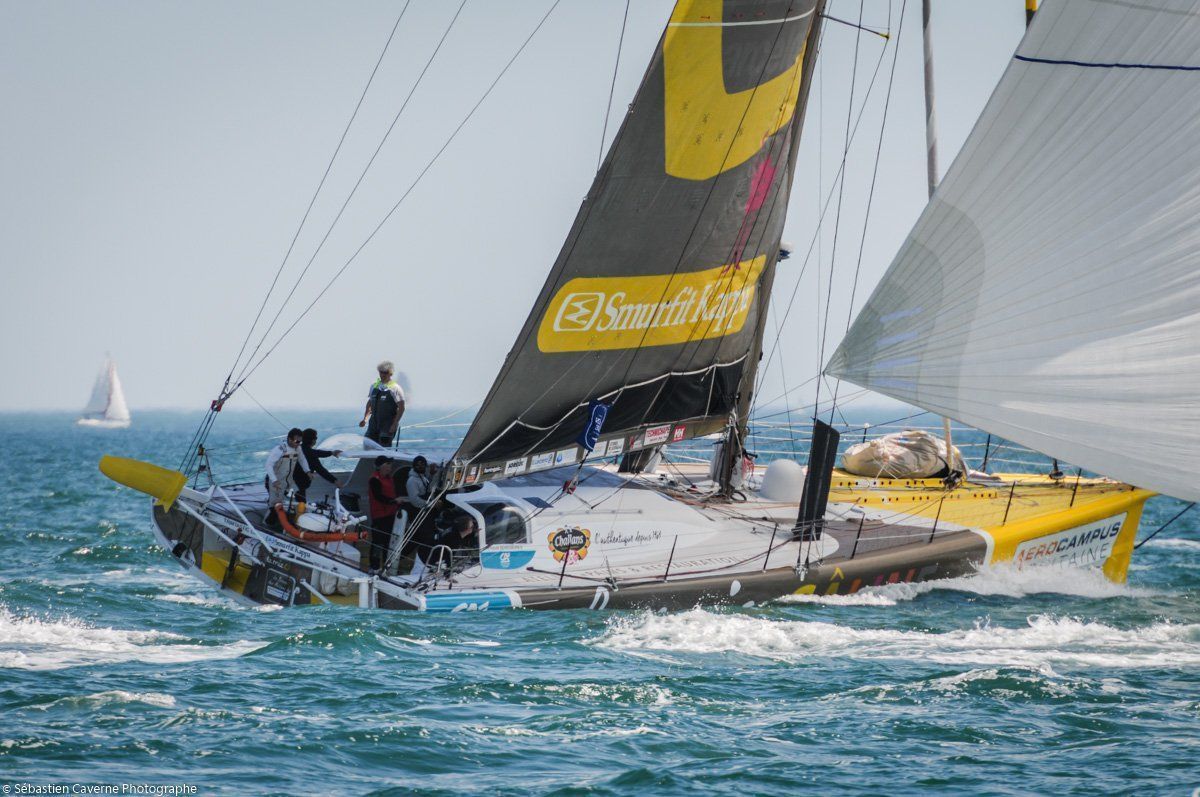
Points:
(626, 539)
(656, 435)
(470, 601)
(570, 542)
(505, 560)
(1083, 545)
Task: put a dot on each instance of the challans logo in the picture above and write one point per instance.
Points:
(590, 313)
(571, 542)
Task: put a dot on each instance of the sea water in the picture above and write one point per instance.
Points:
(117, 668)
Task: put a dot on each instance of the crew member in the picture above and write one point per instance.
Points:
(462, 538)
(381, 491)
(283, 462)
(310, 462)
(416, 490)
(385, 406)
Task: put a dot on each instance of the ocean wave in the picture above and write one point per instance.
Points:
(1175, 542)
(1043, 641)
(30, 643)
(197, 600)
(113, 696)
(998, 580)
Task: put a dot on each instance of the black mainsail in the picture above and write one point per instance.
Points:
(656, 304)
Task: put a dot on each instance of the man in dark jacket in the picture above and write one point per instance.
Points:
(310, 462)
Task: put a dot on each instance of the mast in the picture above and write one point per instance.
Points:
(931, 159)
(931, 166)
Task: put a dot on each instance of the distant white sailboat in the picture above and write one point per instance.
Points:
(107, 408)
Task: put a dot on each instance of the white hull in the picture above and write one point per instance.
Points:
(103, 423)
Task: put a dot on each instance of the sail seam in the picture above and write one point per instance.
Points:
(805, 15)
(1099, 65)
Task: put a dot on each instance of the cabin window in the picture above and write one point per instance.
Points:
(504, 524)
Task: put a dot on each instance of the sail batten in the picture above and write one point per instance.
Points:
(1050, 291)
(657, 299)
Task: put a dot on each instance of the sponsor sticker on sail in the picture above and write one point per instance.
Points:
(540, 461)
(615, 447)
(679, 433)
(514, 466)
(591, 313)
(564, 457)
(472, 475)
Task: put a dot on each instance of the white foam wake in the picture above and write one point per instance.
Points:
(114, 696)
(29, 643)
(1004, 580)
(1043, 641)
(1175, 542)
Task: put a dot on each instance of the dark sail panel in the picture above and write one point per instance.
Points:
(658, 296)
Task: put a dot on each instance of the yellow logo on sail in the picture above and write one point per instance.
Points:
(602, 313)
(707, 129)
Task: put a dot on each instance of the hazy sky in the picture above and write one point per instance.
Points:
(157, 158)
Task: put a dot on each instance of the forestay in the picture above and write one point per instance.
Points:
(656, 303)
(1050, 292)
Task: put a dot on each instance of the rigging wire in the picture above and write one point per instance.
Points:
(267, 411)
(837, 218)
(874, 177)
(1154, 533)
(437, 156)
(358, 183)
(321, 184)
(191, 452)
(613, 87)
(818, 232)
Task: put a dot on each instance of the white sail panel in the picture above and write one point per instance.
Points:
(117, 409)
(1050, 292)
(98, 402)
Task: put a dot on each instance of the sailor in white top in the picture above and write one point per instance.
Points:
(281, 464)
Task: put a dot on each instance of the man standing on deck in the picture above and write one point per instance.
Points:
(385, 406)
(381, 492)
(283, 462)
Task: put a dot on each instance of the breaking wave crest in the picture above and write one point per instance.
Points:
(1044, 641)
(1001, 580)
(29, 643)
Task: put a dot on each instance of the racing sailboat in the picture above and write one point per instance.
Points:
(106, 409)
(648, 330)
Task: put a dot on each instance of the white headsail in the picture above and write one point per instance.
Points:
(1050, 292)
